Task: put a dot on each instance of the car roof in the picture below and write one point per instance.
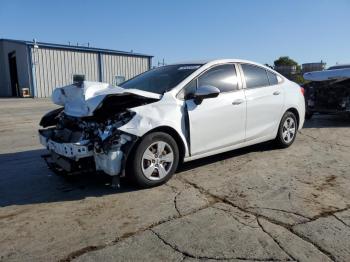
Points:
(341, 66)
(216, 61)
(212, 62)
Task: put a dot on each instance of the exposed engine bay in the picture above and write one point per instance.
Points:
(83, 135)
(331, 96)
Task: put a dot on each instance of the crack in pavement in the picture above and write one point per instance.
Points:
(319, 248)
(177, 193)
(324, 214)
(88, 249)
(286, 226)
(186, 254)
(340, 220)
(275, 240)
(215, 199)
(281, 210)
(224, 200)
(81, 252)
(235, 218)
(175, 203)
(183, 259)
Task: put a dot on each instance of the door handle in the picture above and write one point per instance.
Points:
(237, 102)
(276, 93)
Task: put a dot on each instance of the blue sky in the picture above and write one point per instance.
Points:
(307, 31)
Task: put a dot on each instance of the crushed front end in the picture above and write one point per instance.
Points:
(83, 135)
(85, 144)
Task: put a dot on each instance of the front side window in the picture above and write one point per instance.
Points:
(255, 76)
(161, 79)
(223, 77)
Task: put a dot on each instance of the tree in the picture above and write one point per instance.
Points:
(296, 76)
(299, 79)
(285, 60)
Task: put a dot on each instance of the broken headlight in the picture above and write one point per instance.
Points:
(108, 134)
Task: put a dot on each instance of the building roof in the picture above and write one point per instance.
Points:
(314, 63)
(76, 48)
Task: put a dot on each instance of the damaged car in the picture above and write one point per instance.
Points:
(176, 113)
(328, 91)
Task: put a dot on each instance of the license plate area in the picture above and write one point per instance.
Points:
(70, 150)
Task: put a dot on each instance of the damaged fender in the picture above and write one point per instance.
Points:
(171, 113)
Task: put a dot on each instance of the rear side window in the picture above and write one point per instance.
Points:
(255, 76)
(272, 78)
(223, 77)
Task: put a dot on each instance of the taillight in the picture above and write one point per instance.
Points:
(302, 89)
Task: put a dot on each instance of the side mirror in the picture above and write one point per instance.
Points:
(204, 92)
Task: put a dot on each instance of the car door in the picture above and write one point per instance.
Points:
(265, 98)
(218, 122)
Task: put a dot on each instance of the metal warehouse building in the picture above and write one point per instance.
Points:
(35, 68)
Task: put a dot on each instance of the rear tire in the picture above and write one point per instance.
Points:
(287, 130)
(155, 160)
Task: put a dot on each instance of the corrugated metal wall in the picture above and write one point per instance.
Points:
(54, 68)
(127, 66)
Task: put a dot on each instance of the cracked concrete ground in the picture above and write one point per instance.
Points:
(253, 204)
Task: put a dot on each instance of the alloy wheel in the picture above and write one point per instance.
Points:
(157, 160)
(288, 130)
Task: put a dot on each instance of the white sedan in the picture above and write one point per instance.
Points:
(149, 124)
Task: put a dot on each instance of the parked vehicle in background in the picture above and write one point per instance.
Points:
(170, 114)
(328, 91)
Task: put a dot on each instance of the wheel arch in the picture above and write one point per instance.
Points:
(165, 129)
(296, 113)
(172, 132)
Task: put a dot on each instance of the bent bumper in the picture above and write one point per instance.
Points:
(70, 150)
(77, 157)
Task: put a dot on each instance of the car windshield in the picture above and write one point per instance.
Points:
(161, 79)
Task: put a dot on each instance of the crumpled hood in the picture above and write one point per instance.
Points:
(82, 99)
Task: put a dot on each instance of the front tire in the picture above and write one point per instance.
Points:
(287, 130)
(155, 160)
